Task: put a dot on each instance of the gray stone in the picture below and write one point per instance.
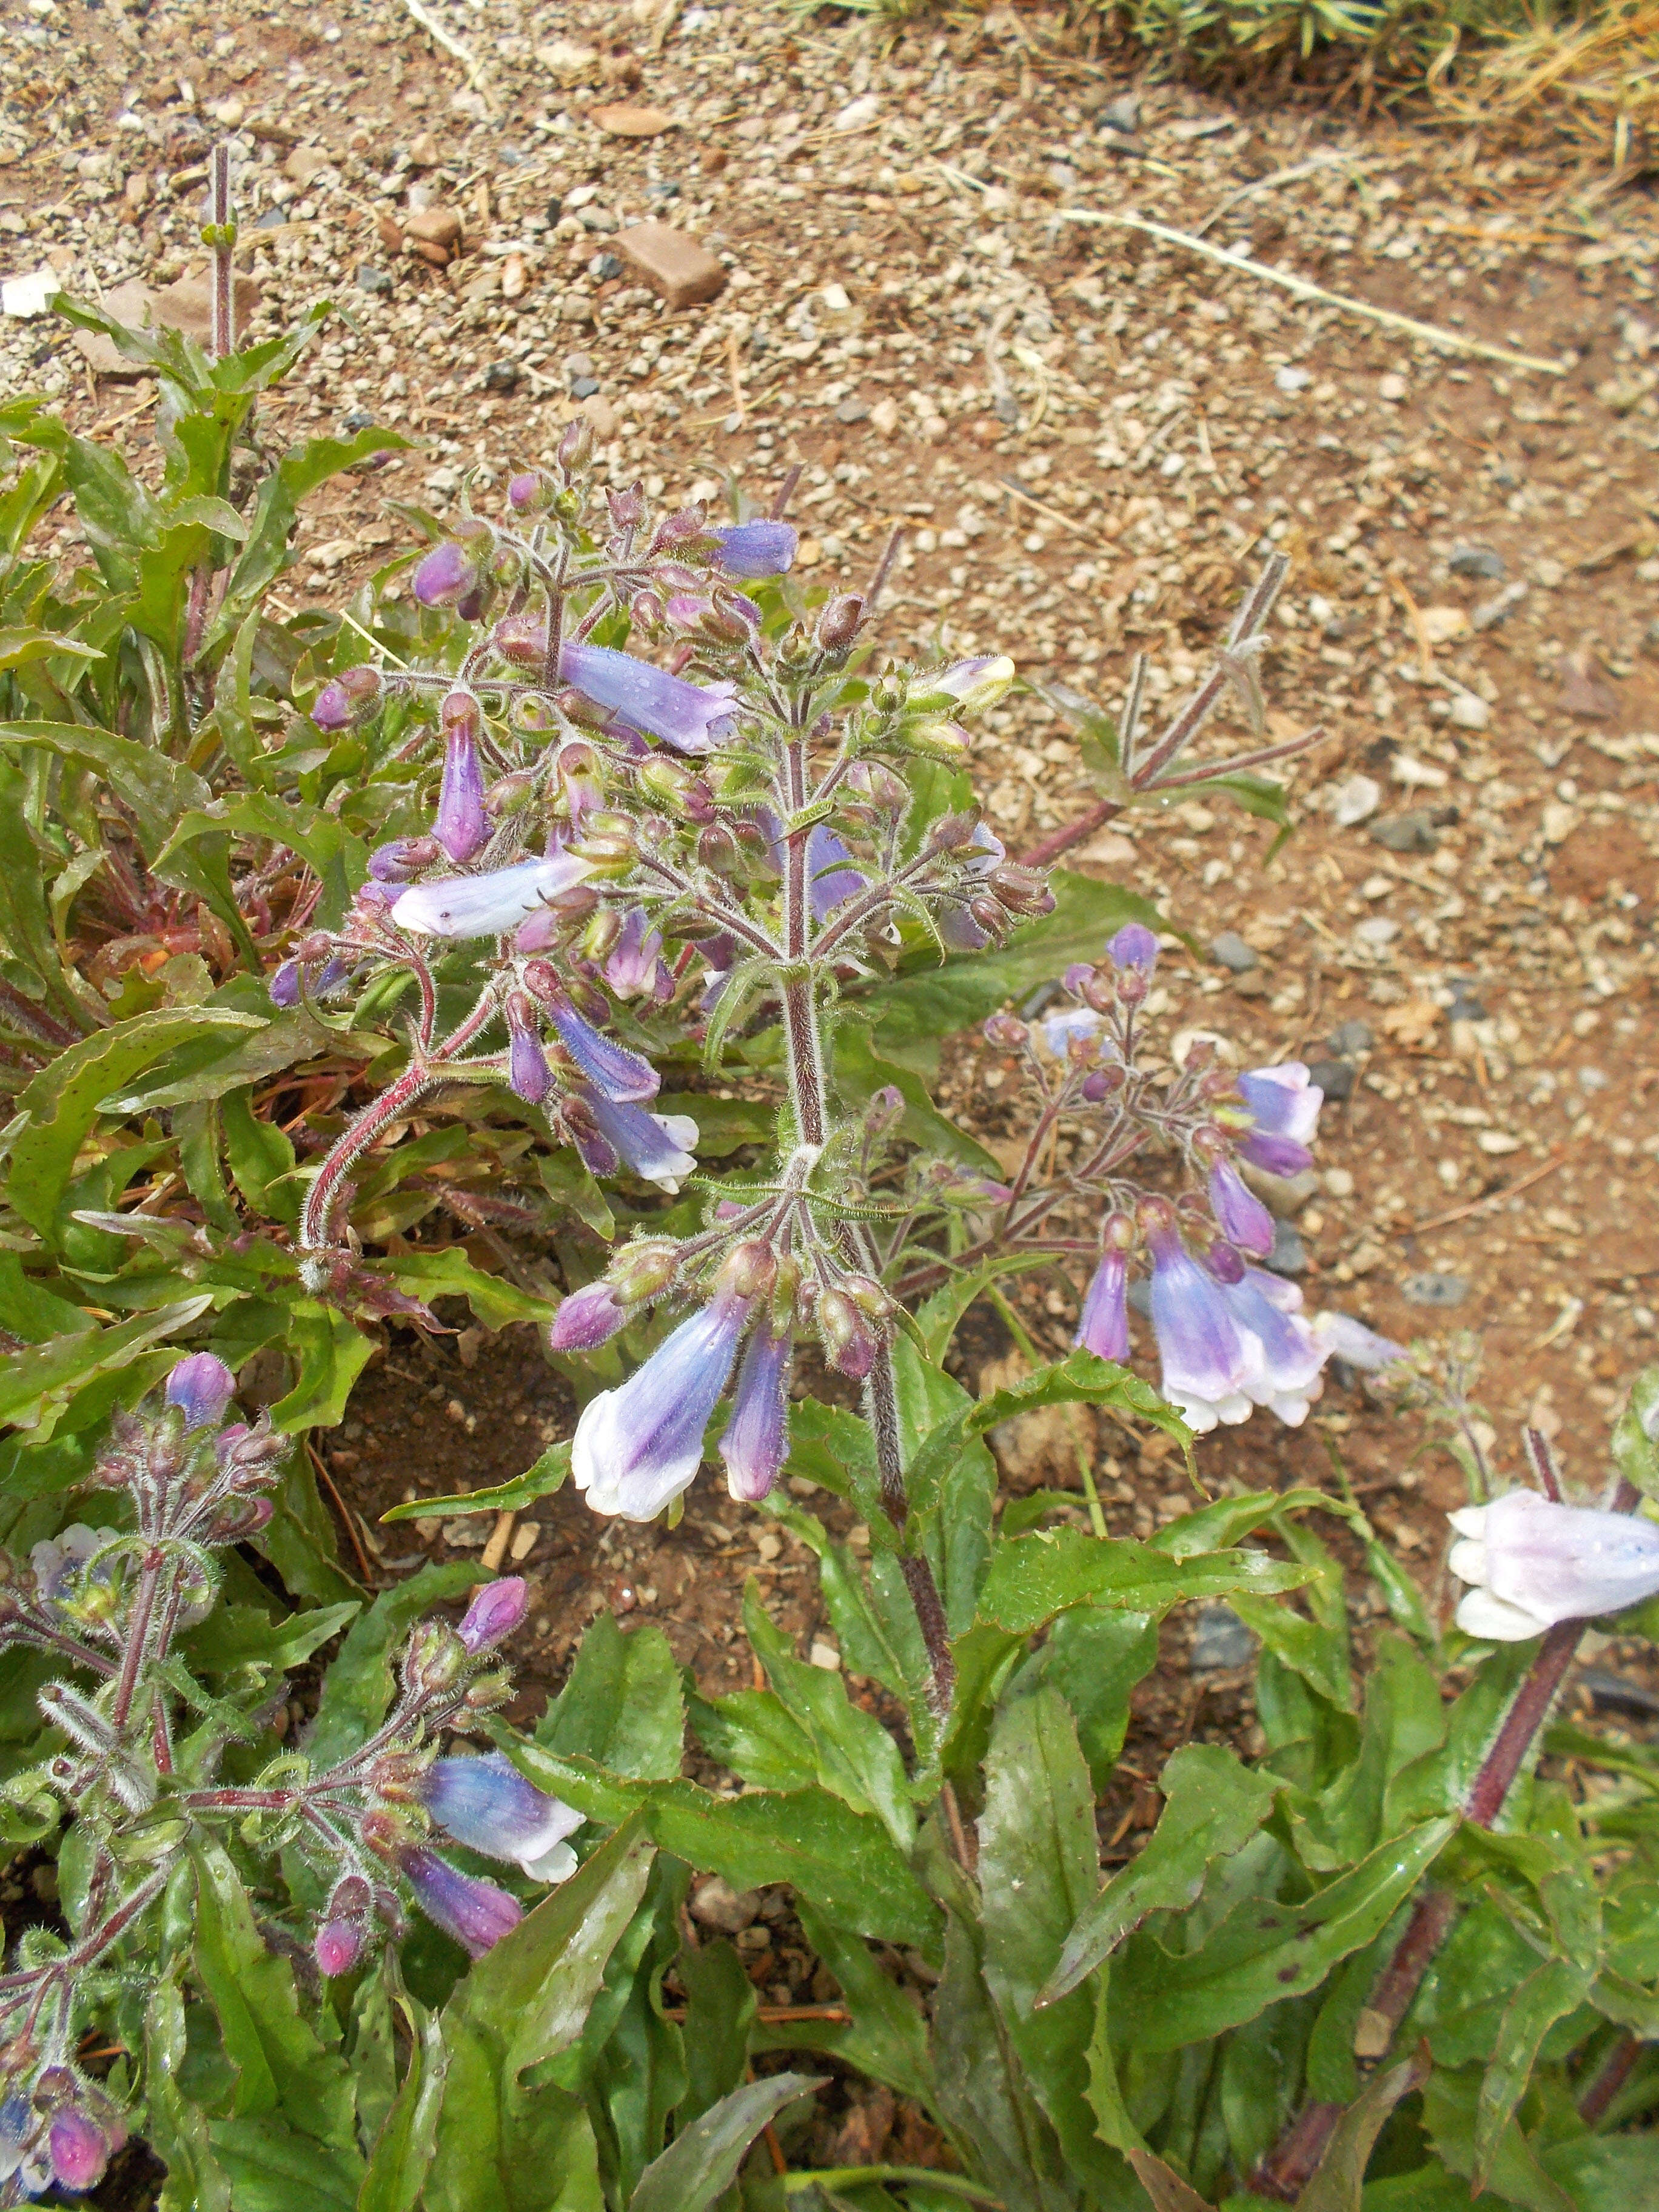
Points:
(853, 410)
(370, 279)
(1334, 1077)
(1405, 833)
(583, 387)
(1230, 950)
(1350, 1037)
(1499, 609)
(1434, 1289)
(1220, 1639)
(1477, 560)
(605, 266)
(501, 376)
(1465, 1005)
(1290, 1255)
(717, 1904)
(1122, 114)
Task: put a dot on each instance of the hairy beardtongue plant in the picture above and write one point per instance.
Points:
(731, 838)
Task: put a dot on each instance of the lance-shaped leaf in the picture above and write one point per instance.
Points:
(1168, 2191)
(1264, 1951)
(1034, 1577)
(1337, 2182)
(1549, 1993)
(1214, 1806)
(699, 2166)
(62, 1102)
(403, 2151)
(31, 1380)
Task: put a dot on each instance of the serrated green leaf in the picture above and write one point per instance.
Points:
(402, 2152)
(31, 1380)
(1264, 1951)
(1213, 1806)
(1034, 1577)
(540, 1480)
(281, 2066)
(245, 1636)
(63, 1100)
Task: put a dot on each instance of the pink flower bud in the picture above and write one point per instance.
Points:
(495, 1611)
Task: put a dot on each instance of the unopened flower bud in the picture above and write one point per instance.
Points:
(201, 1387)
(450, 573)
(434, 1657)
(838, 623)
(940, 740)
(717, 850)
(348, 698)
(1022, 890)
(460, 826)
(495, 1611)
(1006, 1032)
(644, 1269)
(509, 794)
(401, 860)
(78, 2147)
(530, 493)
(750, 1268)
(1133, 947)
(576, 445)
(627, 506)
(520, 639)
(850, 1343)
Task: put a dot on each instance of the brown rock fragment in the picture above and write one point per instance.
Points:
(624, 120)
(187, 306)
(671, 263)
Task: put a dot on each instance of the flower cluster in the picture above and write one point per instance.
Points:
(1231, 1334)
(620, 836)
(113, 1604)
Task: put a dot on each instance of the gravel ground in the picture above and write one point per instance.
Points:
(1091, 438)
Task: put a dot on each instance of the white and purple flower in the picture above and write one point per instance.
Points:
(639, 1446)
(1531, 1562)
(760, 548)
(488, 1805)
(756, 1439)
(692, 718)
(474, 1912)
(487, 905)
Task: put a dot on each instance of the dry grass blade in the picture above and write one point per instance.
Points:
(1449, 341)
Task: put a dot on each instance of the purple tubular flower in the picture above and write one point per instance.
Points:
(403, 858)
(1276, 1156)
(496, 1610)
(588, 1318)
(622, 1076)
(757, 548)
(829, 872)
(1104, 1327)
(633, 968)
(1285, 1374)
(476, 1913)
(1344, 1338)
(1282, 1101)
(756, 1439)
(1207, 1361)
(1240, 1215)
(641, 1445)
(1532, 1562)
(692, 718)
(446, 576)
(488, 905)
(284, 985)
(338, 1947)
(202, 1387)
(1134, 947)
(486, 1804)
(657, 1147)
(78, 2147)
(461, 826)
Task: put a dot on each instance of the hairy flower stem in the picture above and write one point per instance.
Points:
(1287, 2169)
(393, 1102)
(809, 1094)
